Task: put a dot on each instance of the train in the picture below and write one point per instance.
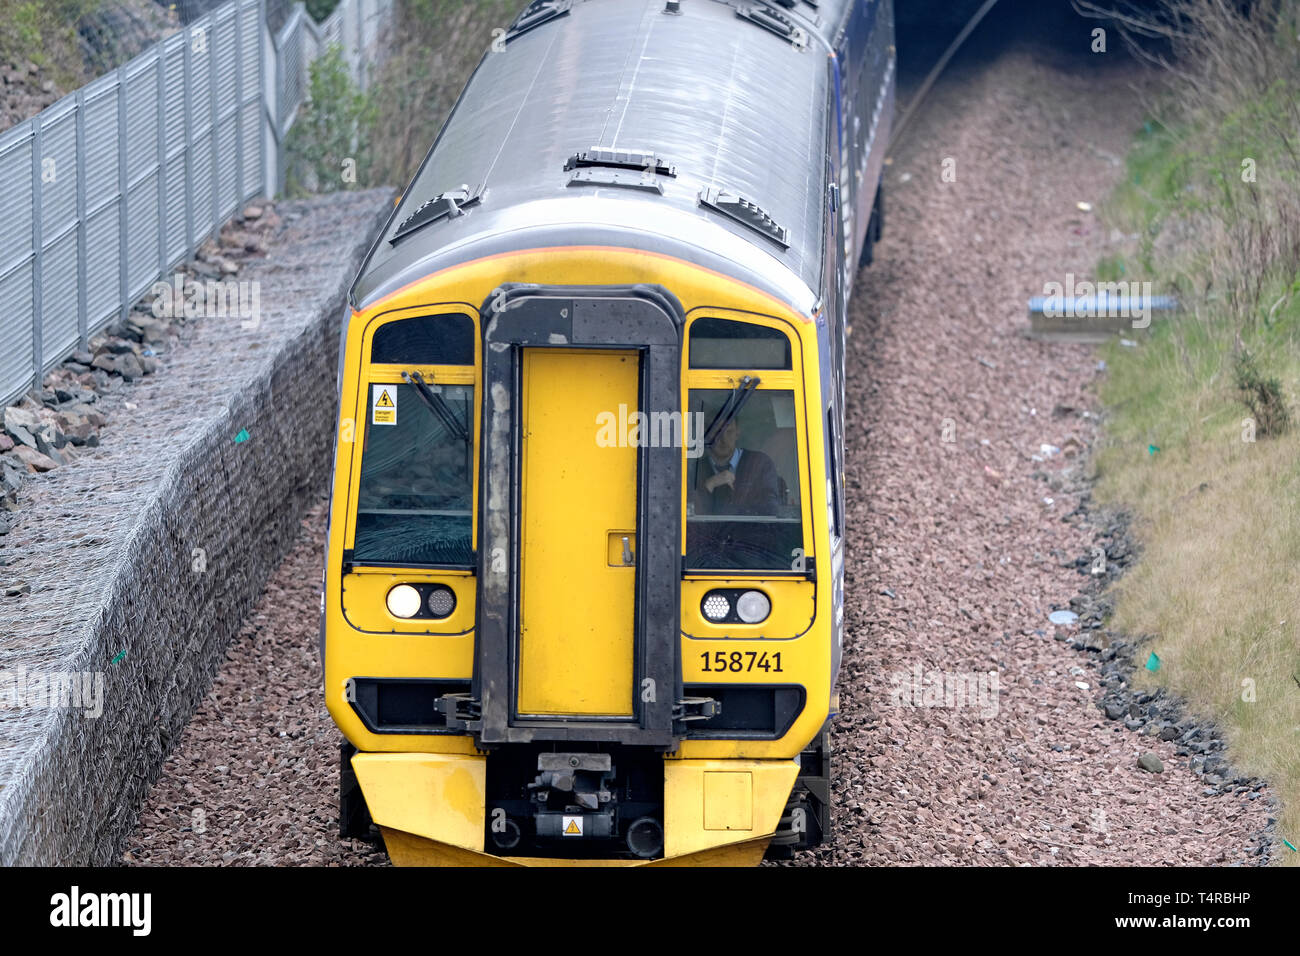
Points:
(583, 600)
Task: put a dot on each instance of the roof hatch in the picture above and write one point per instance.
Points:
(446, 205)
(774, 21)
(744, 212)
(535, 14)
(629, 169)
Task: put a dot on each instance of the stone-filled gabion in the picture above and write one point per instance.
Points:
(139, 563)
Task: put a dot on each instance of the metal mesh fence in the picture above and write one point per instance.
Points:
(112, 186)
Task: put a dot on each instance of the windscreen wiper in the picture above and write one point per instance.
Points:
(731, 407)
(436, 404)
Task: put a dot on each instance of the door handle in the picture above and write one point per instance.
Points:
(627, 552)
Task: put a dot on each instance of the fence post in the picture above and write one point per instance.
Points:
(359, 54)
(161, 107)
(83, 319)
(278, 182)
(213, 123)
(122, 180)
(239, 105)
(38, 357)
(188, 85)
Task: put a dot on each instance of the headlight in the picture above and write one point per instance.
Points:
(441, 601)
(716, 606)
(753, 606)
(734, 606)
(403, 601)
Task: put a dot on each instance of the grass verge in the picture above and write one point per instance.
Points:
(1200, 442)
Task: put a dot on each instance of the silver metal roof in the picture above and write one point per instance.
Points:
(728, 103)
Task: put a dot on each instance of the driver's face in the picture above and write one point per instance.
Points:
(725, 442)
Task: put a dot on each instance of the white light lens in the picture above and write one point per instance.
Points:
(403, 601)
(753, 607)
(716, 607)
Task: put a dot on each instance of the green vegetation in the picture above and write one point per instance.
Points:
(328, 147)
(431, 50)
(320, 9)
(44, 32)
(1212, 201)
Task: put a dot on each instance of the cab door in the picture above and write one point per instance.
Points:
(578, 512)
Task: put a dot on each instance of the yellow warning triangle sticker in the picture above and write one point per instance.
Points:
(384, 400)
(572, 828)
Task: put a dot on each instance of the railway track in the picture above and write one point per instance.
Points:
(956, 548)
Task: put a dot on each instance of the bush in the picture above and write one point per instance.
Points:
(328, 146)
(1262, 396)
(434, 48)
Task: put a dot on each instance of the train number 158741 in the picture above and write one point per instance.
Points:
(741, 661)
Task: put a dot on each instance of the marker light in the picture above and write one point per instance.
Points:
(716, 606)
(403, 601)
(441, 601)
(753, 606)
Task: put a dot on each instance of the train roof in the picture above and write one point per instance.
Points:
(730, 97)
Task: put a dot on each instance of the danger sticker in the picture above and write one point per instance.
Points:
(383, 405)
(572, 826)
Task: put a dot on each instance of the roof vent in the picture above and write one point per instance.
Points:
(537, 13)
(746, 213)
(446, 205)
(774, 21)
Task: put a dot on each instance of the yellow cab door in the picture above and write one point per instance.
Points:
(578, 514)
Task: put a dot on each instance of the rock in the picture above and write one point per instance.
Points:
(6, 443)
(124, 364)
(149, 364)
(15, 590)
(82, 358)
(128, 366)
(33, 459)
(22, 436)
(50, 448)
(1169, 733)
(76, 426)
(1115, 710)
(150, 330)
(22, 418)
(115, 345)
(1151, 763)
(253, 212)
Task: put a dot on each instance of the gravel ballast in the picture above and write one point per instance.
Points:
(959, 550)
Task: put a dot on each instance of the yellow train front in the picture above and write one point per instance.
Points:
(584, 580)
